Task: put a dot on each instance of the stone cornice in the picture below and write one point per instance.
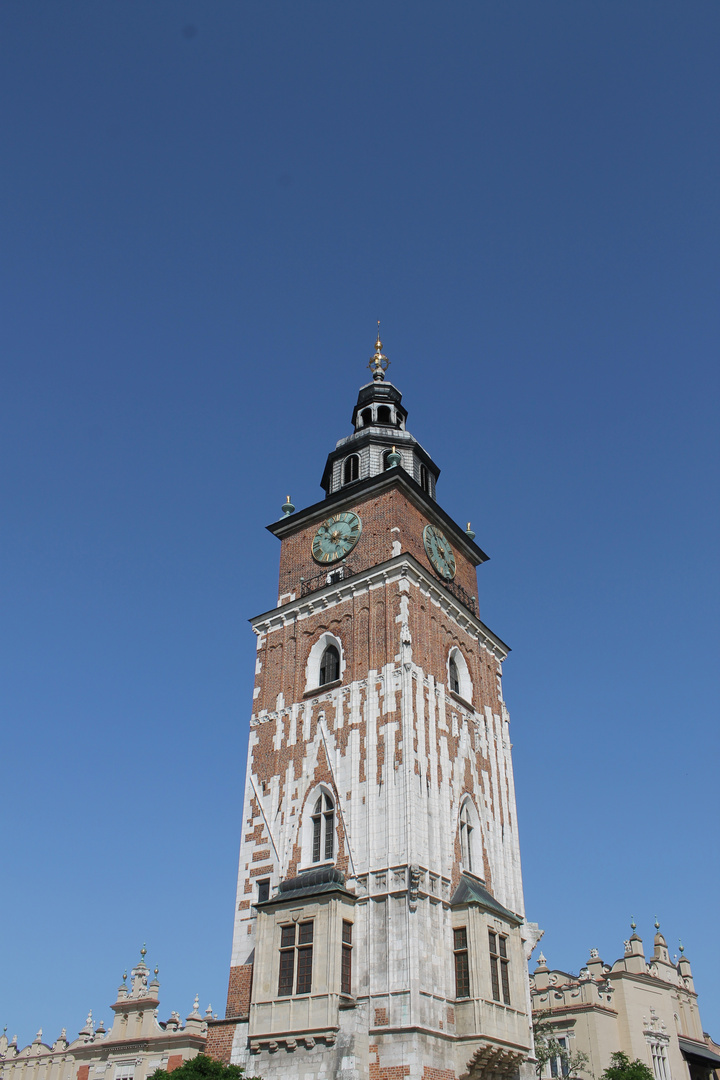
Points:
(402, 566)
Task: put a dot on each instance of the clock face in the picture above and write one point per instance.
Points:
(439, 552)
(336, 537)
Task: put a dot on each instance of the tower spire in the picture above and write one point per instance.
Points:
(378, 362)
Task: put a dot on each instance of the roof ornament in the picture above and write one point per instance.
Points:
(393, 459)
(633, 924)
(681, 947)
(657, 924)
(378, 362)
(143, 954)
(469, 533)
(288, 507)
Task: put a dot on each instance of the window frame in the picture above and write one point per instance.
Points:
(296, 958)
(322, 848)
(499, 966)
(351, 464)
(462, 962)
(346, 958)
(323, 679)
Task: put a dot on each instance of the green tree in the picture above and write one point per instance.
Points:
(547, 1049)
(203, 1067)
(623, 1068)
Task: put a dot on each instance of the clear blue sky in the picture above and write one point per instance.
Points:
(205, 208)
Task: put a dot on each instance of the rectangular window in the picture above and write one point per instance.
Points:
(346, 968)
(263, 888)
(316, 838)
(287, 960)
(462, 967)
(499, 971)
(295, 939)
(304, 958)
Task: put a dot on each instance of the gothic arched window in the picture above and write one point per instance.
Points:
(366, 416)
(323, 829)
(458, 673)
(424, 479)
(454, 676)
(384, 416)
(329, 666)
(351, 469)
(467, 828)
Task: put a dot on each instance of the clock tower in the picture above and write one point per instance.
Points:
(379, 920)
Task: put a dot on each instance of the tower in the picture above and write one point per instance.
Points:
(379, 921)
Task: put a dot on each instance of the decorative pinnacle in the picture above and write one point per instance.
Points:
(469, 533)
(633, 924)
(288, 507)
(155, 971)
(393, 459)
(143, 953)
(682, 947)
(657, 924)
(378, 362)
(124, 976)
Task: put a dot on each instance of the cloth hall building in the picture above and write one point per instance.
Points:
(379, 923)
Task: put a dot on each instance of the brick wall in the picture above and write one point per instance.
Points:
(220, 1040)
(380, 514)
(239, 988)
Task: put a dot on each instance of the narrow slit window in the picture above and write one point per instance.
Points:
(346, 967)
(499, 967)
(462, 968)
(454, 676)
(304, 958)
(323, 829)
(287, 961)
(466, 838)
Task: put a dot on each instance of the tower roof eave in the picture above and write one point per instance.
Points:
(350, 495)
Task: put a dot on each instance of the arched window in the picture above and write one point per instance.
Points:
(454, 676)
(351, 469)
(329, 666)
(384, 416)
(323, 829)
(467, 842)
(325, 657)
(458, 673)
(366, 416)
(424, 479)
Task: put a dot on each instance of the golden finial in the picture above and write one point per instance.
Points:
(378, 363)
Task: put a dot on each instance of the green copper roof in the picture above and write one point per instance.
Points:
(471, 890)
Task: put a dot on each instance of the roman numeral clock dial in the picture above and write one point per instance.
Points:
(439, 552)
(336, 537)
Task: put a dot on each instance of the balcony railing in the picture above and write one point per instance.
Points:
(461, 594)
(327, 577)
